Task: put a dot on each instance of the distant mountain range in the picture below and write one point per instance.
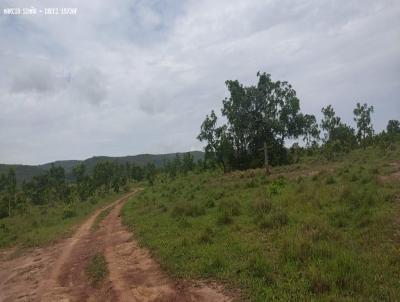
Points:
(26, 172)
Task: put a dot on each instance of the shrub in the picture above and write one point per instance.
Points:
(354, 177)
(126, 188)
(262, 206)
(187, 209)
(219, 195)
(163, 208)
(319, 283)
(346, 271)
(210, 203)
(68, 212)
(274, 220)
(375, 170)
(276, 187)
(340, 217)
(258, 267)
(251, 184)
(330, 180)
(206, 236)
(296, 251)
(232, 207)
(365, 180)
(184, 222)
(214, 265)
(224, 218)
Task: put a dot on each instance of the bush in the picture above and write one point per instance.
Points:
(224, 218)
(258, 267)
(262, 206)
(251, 184)
(296, 251)
(206, 236)
(319, 283)
(126, 188)
(68, 212)
(274, 220)
(231, 207)
(354, 177)
(346, 273)
(276, 187)
(330, 180)
(187, 209)
(210, 203)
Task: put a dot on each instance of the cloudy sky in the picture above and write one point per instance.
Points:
(127, 77)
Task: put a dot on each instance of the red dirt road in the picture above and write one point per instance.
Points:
(57, 273)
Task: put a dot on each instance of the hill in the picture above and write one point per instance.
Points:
(26, 172)
(22, 172)
(317, 230)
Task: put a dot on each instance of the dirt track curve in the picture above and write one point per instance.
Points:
(57, 272)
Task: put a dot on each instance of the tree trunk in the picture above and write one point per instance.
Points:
(266, 164)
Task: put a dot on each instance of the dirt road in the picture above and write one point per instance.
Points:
(57, 273)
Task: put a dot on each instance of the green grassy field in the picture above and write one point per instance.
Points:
(40, 225)
(311, 231)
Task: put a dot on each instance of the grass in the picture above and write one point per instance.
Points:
(102, 215)
(41, 225)
(311, 231)
(96, 269)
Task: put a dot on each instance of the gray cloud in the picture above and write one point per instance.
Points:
(127, 77)
(35, 77)
(88, 85)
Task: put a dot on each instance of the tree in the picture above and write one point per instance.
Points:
(57, 182)
(362, 116)
(137, 172)
(82, 181)
(393, 127)
(343, 136)
(329, 122)
(3, 182)
(187, 162)
(338, 136)
(150, 173)
(268, 113)
(311, 131)
(11, 189)
(259, 120)
(208, 134)
(102, 176)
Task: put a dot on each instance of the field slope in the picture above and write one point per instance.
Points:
(315, 230)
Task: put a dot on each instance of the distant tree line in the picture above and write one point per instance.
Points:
(51, 187)
(261, 118)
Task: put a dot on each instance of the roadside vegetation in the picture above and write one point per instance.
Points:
(41, 224)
